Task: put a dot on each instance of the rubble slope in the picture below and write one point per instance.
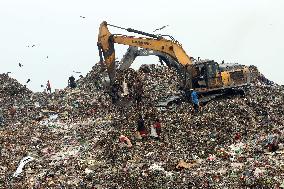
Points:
(74, 137)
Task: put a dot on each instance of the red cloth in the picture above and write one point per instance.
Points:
(237, 136)
(157, 125)
(122, 139)
(143, 133)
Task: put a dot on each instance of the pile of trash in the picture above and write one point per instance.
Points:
(13, 96)
(77, 138)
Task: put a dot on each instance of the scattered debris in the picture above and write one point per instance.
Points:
(73, 134)
(125, 140)
(183, 164)
(23, 162)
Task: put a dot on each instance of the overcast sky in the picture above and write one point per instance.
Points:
(249, 32)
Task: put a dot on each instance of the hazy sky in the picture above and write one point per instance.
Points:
(249, 32)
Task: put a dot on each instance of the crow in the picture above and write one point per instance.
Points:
(160, 28)
(77, 72)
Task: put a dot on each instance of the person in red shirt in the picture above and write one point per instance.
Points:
(48, 87)
(237, 136)
(157, 126)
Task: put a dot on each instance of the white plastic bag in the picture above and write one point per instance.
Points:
(23, 162)
(153, 132)
(125, 88)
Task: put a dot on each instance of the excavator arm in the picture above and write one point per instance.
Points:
(133, 52)
(106, 42)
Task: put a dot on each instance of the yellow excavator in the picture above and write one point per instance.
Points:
(205, 76)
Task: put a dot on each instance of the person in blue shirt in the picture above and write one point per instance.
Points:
(194, 100)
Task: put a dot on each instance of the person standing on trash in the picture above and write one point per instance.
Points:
(12, 111)
(138, 91)
(125, 88)
(48, 87)
(194, 100)
(157, 126)
(71, 82)
(114, 92)
(141, 126)
(97, 81)
(187, 93)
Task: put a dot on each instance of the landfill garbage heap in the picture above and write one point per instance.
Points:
(71, 138)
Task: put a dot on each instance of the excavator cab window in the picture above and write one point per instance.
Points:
(213, 78)
(199, 81)
(212, 70)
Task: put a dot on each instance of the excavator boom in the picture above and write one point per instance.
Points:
(106, 42)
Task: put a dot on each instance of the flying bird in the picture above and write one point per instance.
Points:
(160, 28)
(20, 64)
(41, 85)
(77, 72)
(33, 45)
(82, 16)
(46, 56)
(28, 81)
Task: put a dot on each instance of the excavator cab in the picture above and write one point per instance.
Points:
(206, 76)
